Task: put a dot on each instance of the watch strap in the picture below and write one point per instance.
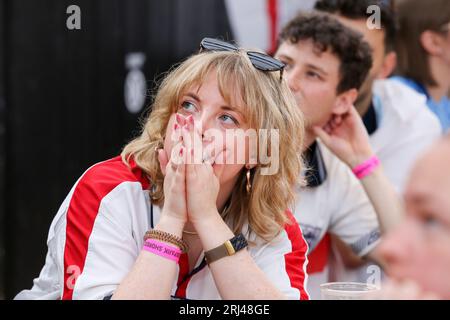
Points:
(228, 248)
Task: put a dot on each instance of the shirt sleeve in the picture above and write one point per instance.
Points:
(353, 217)
(284, 261)
(399, 157)
(403, 112)
(94, 267)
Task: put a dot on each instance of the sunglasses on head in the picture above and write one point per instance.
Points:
(260, 61)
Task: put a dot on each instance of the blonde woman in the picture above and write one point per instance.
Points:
(176, 215)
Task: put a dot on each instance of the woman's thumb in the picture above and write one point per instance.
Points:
(163, 160)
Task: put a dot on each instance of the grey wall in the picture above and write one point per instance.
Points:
(2, 149)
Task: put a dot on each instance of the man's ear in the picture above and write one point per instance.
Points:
(389, 64)
(430, 43)
(345, 101)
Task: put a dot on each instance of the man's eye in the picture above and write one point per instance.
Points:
(432, 224)
(313, 74)
(287, 66)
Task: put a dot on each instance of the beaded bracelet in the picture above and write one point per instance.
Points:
(167, 237)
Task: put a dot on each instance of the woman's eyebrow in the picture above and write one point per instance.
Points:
(224, 107)
(228, 108)
(193, 96)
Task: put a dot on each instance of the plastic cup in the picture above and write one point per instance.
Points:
(347, 291)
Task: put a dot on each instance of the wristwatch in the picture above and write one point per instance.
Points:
(229, 248)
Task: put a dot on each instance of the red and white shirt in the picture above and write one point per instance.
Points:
(339, 206)
(97, 235)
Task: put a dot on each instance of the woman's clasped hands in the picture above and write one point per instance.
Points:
(191, 182)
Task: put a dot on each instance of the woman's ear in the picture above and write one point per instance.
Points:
(431, 43)
(345, 101)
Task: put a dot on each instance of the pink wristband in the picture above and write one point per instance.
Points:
(367, 167)
(162, 249)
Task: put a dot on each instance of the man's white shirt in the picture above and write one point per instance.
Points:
(339, 206)
(406, 129)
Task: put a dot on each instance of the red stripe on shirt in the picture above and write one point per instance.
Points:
(272, 12)
(95, 184)
(318, 258)
(182, 282)
(296, 259)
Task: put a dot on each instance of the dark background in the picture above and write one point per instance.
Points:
(62, 102)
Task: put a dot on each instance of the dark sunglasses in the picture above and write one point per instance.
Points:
(260, 61)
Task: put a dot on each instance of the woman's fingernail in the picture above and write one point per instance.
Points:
(176, 126)
(188, 122)
(180, 118)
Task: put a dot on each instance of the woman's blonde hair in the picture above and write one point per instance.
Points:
(268, 104)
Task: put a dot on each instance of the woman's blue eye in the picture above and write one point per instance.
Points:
(228, 119)
(188, 106)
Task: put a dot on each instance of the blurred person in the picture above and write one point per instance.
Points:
(417, 253)
(423, 48)
(394, 116)
(170, 219)
(326, 63)
(400, 126)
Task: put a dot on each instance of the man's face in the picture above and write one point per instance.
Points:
(419, 248)
(313, 78)
(375, 39)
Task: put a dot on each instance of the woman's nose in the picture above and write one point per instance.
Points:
(202, 124)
